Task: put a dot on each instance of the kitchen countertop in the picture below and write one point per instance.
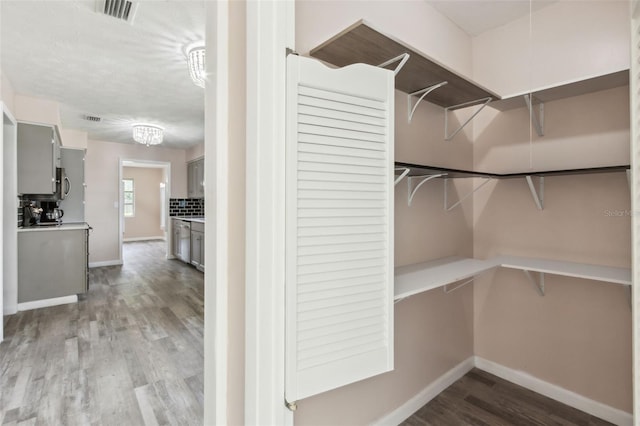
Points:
(71, 226)
(198, 219)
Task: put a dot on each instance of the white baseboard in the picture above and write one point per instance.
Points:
(105, 263)
(129, 240)
(403, 412)
(45, 303)
(556, 392)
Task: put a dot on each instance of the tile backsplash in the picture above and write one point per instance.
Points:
(186, 207)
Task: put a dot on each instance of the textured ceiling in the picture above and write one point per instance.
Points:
(97, 65)
(477, 16)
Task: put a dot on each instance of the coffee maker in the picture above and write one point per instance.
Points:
(50, 212)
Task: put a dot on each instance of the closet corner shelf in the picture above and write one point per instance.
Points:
(361, 43)
(420, 277)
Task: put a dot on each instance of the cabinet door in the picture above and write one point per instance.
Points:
(196, 248)
(73, 204)
(176, 237)
(36, 159)
(200, 178)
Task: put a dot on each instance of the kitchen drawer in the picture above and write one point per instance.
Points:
(197, 226)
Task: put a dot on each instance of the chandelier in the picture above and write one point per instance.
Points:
(195, 60)
(147, 134)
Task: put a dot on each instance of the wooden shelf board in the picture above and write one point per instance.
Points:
(575, 88)
(360, 43)
(570, 269)
(423, 170)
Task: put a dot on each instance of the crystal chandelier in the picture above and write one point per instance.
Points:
(147, 134)
(195, 59)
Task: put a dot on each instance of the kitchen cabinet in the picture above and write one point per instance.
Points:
(72, 160)
(197, 245)
(38, 157)
(195, 178)
(175, 232)
(52, 263)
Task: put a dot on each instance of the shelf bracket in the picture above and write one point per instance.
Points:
(484, 102)
(538, 284)
(536, 120)
(447, 291)
(424, 92)
(446, 196)
(538, 194)
(403, 60)
(423, 180)
(405, 171)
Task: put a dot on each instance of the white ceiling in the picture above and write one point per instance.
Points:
(477, 16)
(95, 64)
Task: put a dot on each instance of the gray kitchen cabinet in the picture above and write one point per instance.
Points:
(52, 263)
(38, 157)
(195, 178)
(175, 232)
(72, 160)
(197, 245)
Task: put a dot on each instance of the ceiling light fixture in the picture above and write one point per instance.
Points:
(195, 60)
(147, 134)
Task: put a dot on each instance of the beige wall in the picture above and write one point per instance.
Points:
(102, 193)
(577, 336)
(147, 208)
(74, 138)
(195, 152)
(27, 108)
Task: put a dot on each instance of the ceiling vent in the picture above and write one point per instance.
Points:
(120, 9)
(92, 118)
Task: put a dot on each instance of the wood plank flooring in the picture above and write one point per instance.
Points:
(482, 399)
(129, 353)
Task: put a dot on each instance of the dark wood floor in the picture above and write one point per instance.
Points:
(130, 353)
(482, 399)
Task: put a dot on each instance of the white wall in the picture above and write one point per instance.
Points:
(569, 40)
(102, 192)
(145, 222)
(27, 108)
(6, 91)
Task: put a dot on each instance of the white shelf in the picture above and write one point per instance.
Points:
(570, 269)
(419, 277)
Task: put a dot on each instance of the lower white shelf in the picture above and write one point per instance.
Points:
(419, 277)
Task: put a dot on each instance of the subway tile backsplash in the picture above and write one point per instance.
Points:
(186, 206)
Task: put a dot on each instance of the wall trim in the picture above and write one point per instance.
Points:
(403, 412)
(105, 263)
(45, 303)
(556, 392)
(134, 239)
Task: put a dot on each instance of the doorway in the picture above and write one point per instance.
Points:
(144, 205)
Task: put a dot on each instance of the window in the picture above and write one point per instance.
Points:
(128, 197)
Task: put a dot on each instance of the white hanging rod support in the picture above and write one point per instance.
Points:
(538, 284)
(403, 60)
(536, 120)
(424, 92)
(405, 171)
(447, 291)
(447, 136)
(423, 180)
(538, 195)
(446, 197)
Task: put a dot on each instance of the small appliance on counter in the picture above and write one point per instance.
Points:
(51, 213)
(31, 214)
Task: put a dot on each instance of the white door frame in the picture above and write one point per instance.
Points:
(270, 31)
(166, 168)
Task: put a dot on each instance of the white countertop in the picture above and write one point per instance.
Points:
(199, 219)
(63, 227)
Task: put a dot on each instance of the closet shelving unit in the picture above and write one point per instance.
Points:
(423, 78)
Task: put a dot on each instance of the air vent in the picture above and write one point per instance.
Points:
(120, 9)
(92, 118)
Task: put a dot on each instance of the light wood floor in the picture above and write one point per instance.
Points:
(482, 399)
(130, 353)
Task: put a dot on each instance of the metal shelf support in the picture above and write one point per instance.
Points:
(538, 284)
(405, 171)
(403, 60)
(446, 196)
(423, 180)
(538, 194)
(536, 120)
(424, 92)
(447, 136)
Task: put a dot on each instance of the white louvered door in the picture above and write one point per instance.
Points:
(339, 225)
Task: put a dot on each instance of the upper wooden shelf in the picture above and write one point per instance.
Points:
(360, 43)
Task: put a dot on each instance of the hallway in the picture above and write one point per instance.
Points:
(130, 352)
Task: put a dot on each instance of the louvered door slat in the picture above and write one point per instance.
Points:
(339, 242)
